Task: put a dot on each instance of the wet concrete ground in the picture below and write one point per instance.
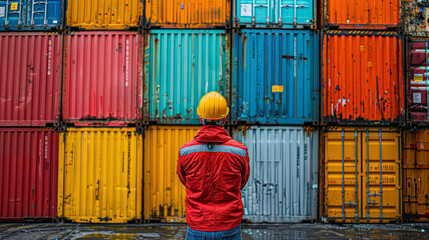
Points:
(249, 231)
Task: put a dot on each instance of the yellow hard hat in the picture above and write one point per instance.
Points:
(213, 106)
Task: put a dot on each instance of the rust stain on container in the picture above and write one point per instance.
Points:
(188, 13)
(367, 14)
(362, 76)
(416, 176)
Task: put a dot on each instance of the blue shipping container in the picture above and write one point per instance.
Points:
(275, 13)
(181, 66)
(30, 14)
(275, 76)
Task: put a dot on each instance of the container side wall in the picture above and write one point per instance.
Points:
(181, 66)
(101, 80)
(188, 13)
(164, 194)
(362, 78)
(30, 79)
(101, 175)
(102, 14)
(28, 176)
(282, 186)
(275, 79)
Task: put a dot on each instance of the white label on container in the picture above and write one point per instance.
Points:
(315, 186)
(246, 10)
(417, 98)
(127, 61)
(54, 21)
(49, 56)
(2, 11)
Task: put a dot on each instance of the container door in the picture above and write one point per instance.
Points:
(381, 188)
(294, 11)
(342, 179)
(12, 13)
(254, 11)
(44, 13)
(419, 83)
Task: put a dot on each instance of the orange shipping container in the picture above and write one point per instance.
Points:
(188, 13)
(367, 14)
(416, 176)
(362, 77)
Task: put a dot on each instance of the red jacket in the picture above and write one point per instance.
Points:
(214, 168)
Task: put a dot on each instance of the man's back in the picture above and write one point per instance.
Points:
(214, 168)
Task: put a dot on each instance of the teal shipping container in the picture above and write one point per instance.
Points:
(275, 13)
(275, 77)
(181, 66)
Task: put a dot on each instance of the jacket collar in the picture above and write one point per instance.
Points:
(213, 134)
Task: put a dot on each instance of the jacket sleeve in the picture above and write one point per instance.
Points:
(246, 171)
(180, 172)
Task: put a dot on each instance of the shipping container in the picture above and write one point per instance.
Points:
(415, 14)
(180, 67)
(362, 77)
(28, 174)
(30, 79)
(188, 14)
(31, 15)
(418, 82)
(100, 175)
(164, 194)
(416, 176)
(362, 175)
(104, 14)
(366, 14)
(101, 78)
(275, 13)
(283, 180)
(275, 76)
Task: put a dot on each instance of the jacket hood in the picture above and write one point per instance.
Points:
(212, 134)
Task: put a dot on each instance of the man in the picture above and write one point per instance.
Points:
(214, 168)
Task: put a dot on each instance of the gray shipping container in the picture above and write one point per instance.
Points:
(283, 180)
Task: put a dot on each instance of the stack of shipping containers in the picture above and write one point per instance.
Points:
(361, 112)
(416, 132)
(275, 106)
(100, 162)
(30, 80)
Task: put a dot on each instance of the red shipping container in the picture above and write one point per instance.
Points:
(28, 173)
(30, 78)
(102, 83)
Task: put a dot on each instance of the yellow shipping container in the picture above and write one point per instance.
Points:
(416, 176)
(100, 175)
(352, 190)
(102, 14)
(164, 194)
(188, 13)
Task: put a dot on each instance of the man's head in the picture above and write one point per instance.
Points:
(213, 109)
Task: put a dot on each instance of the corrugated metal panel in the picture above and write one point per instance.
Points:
(276, 76)
(275, 13)
(164, 194)
(352, 162)
(282, 186)
(416, 176)
(28, 173)
(30, 15)
(367, 14)
(101, 78)
(30, 78)
(188, 13)
(104, 14)
(418, 83)
(362, 77)
(180, 67)
(415, 17)
(100, 175)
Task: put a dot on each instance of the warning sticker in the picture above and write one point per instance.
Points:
(14, 6)
(362, 48)
(2, 11)
(417, 98)
(246, 10)
(277, 88)
(418, 77)
(369, 64)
